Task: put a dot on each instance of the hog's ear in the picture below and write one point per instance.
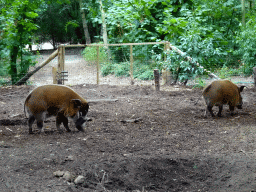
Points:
(241, 88)
(76, 102)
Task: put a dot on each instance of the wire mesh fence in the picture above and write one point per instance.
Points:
(124, 63)
(116, 64)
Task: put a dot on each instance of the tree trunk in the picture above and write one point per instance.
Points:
(86, 31)
(251, 4)
(104, 28)
(243, 13)
(53, 41)
(13, 58)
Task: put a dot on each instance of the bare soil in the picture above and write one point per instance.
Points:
(145, 141)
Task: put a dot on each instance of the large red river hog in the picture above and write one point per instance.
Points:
(55, 100)
(222, 92)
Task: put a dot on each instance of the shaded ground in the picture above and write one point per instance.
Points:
(171, 147)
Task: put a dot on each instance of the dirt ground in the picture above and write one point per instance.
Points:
(144, 141)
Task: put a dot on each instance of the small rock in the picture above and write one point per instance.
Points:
(127, 155)
(99, 187)
(16, 115)
(69, 158)
(67, 175)
(131, 120)
(79, 180)
(58, 173)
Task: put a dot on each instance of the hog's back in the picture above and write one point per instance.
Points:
(44, 97)
(221, 92)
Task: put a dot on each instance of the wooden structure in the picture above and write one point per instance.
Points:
(28, 75)
(121, 44)
(191, 61)
(254, 75)
(156, 75)
(59, 74)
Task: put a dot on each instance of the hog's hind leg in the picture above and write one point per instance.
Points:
(31, 120)
(40, 117)
(209, 108)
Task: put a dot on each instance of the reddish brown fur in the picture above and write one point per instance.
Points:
(54, 100)
(222, 92)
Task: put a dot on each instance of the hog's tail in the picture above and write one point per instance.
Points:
(28, 97)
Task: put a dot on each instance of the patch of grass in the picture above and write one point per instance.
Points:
(199, 83)
(106, 69)
(4, 82)
(140, 70)
(122, 69)
(117, 69)
(90, 54)
(226, 72)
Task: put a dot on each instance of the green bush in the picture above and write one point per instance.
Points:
(106, 69)
(4, 60)
(247, 50)
(117, 69)
(140, 71)
(143, 72)
(147, 75)
(199, 83)
(226, 72)
(4, 81)
(90, 54)
(3, 70)
(122, 69)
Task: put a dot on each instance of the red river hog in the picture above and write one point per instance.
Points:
(222, 92)
(55, 100)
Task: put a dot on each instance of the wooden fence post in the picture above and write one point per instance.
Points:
(156, 74)
(131, 65)
(254, 76)
(166, 74)
(54, 75)
(61, 63)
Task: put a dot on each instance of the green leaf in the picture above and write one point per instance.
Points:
(31, 14)
(173, 21)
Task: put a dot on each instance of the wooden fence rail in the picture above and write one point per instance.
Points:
(61, 60)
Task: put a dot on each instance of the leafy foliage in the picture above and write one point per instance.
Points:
(209, 31)
(199, 83)
(140, 71)
(18, 27)
(142, 21)
(90, 53)
(247, 49)
(60, 22)
(202, 29)
(226, 72)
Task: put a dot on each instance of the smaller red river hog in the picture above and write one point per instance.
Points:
(222, 92)
(55, 100)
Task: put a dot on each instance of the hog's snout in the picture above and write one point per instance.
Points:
(239, 106)
(79, 123)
